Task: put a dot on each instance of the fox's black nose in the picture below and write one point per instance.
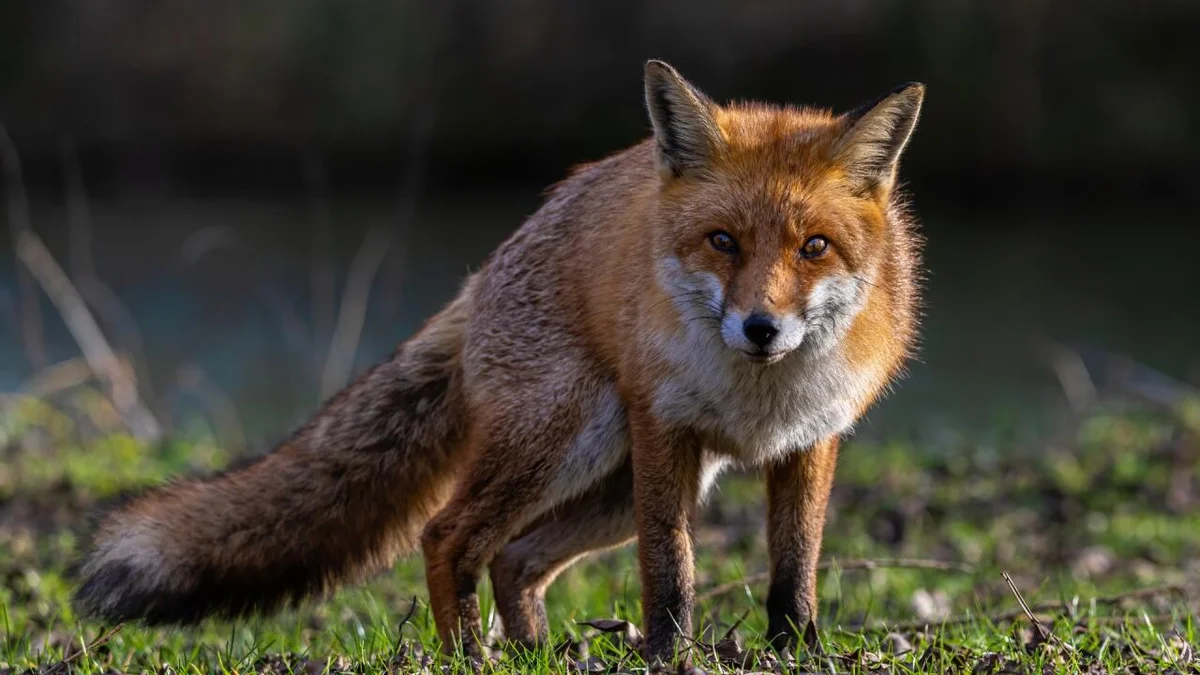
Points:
(760, 329)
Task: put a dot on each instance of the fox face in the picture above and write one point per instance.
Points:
(777, 267)
(773, 221)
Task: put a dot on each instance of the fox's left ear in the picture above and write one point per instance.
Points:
(875, 135)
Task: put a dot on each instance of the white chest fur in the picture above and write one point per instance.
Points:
(754, 412)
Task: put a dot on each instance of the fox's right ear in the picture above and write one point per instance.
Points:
(686, 134)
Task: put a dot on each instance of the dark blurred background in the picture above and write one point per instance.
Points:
(257, 199)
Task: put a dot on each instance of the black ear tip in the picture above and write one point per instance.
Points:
(917, 88)
(656, 69)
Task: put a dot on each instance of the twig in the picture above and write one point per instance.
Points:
(99, 296)
(1122, 620)
(64, 665)
(1037, 609)
(1043, 632)
(295, 333)
(694, 644)
(897, 563)
(410, 191)
(18, 222)
(1073, 376)
(221, 408)
(366, 265)
(1147, 383)
(79, 213)
(845, 565)
(353, 311)
(57, 378)
(1142, 594)
(412, 609)
(736, 624)
(96, 350)
(1006, 617)
(401, 645)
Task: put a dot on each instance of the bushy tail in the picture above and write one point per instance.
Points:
(346, 495)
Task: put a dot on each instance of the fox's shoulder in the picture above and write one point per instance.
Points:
(621, 174)
(557, 284)
(587, 212)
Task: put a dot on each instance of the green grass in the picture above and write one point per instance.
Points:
(1079, 519)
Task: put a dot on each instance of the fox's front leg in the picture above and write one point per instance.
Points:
(797, 495)
(666, 483)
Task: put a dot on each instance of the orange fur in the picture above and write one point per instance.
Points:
(593, 379)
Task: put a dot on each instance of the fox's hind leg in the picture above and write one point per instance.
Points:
(600, 518)
(522, 454)
(492, 503)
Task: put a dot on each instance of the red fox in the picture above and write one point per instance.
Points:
(737, 289)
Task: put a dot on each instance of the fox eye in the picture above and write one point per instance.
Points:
(723, 241)
(815, 247)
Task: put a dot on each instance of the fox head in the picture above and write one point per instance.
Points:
(774, 222)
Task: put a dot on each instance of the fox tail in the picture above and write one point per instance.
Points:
(345, 496)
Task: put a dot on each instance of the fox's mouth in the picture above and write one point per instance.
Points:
(763, 357)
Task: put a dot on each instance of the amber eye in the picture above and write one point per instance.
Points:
(723, 241)
(815, 247)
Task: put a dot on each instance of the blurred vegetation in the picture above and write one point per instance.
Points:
(1015, 87)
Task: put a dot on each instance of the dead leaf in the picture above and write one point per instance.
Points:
(591, 664)
(1093, 561)
(898, 644)
(628, 632)
(932, 607)
(729, 651)
(1178, 648)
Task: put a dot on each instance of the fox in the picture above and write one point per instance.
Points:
(735, 290)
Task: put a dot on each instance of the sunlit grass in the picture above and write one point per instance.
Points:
(1108, 508)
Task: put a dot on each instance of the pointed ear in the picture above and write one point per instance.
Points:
(875, 136)
(686, 134)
